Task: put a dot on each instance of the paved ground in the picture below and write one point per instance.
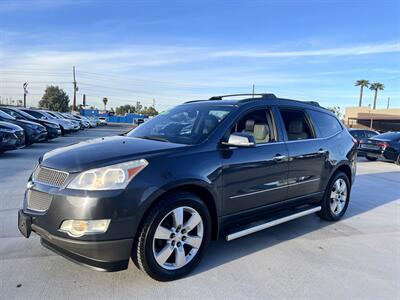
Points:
(358, 257)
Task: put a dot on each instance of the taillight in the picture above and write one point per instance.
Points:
(383, 145)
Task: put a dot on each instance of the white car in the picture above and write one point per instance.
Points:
(103, 121)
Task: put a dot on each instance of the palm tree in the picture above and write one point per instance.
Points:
(105, 100)
(361, 83)
(375, 87)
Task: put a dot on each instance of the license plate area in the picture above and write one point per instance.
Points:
(24, 224)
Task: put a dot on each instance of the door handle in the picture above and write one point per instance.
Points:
(279, 157)
(322, 151)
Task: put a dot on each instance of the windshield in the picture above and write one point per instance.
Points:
(24, 114)
(185, 124)
(6, 116)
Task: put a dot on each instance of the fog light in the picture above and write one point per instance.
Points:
(77, 228)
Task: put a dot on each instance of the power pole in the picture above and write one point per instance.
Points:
(388, 102)
(253, 89)
(154, 103)
(25, 85)
(75, 89)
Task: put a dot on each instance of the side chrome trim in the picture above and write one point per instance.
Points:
(260, 227)
(274, 188)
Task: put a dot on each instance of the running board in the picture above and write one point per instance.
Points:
(272, 223)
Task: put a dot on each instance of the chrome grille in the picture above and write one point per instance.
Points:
(38, 201)
(50, 176)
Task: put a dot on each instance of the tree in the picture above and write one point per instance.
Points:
(124, 109)
(376, 86)
(149, 111)
(335, 110)
(55, 99)
(361, 83)
(105, 100)
(138, 107)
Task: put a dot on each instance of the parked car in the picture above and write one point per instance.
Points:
(103, 121)
(94, 120)
(362, 134)
(53, 129)
(65, 125)
(34, 132)
(11, 137)
(384, 146)
(76, 125)
(201, 170)
(85, 122)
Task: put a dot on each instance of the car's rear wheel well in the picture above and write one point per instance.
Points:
(203, 194)
(346, 170)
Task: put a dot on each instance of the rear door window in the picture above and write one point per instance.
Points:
(328, 125)
(297, 125)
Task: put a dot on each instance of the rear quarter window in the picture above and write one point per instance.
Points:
(328, 125)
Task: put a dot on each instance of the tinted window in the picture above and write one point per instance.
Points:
(185, 124)
(327, 124)
(296, 125)
(257, 123)
(357, 134)
(370, 134)
(34, 113)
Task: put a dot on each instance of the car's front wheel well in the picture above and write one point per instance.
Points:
(203, 194)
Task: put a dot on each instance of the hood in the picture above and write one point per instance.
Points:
(6, 125)
(102, 152)
(45, 122)
(26, 122)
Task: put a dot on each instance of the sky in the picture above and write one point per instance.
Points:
(174, 51)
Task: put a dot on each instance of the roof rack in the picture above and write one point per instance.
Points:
(263, 96)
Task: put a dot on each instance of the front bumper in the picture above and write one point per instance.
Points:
(110, 256)
(39, 136)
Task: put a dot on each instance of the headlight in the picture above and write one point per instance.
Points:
(113, 177)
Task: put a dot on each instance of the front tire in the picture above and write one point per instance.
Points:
(173, 237)
(336, 198)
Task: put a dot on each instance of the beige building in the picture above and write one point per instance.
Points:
(377, 119)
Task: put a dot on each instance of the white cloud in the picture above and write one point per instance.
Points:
(343, 51)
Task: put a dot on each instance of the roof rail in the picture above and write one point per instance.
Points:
(263, 96)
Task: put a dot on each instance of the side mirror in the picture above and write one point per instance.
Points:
(238, 139)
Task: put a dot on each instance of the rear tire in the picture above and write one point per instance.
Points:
(173, 237)
(370, 158)
(397, 161)
(336, 198)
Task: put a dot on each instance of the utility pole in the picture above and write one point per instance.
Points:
(253, 89)
(388, 102)
(75, 89)
(25, 85)
(154, 103)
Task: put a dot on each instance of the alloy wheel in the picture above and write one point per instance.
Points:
(338, 196)
(178, 238)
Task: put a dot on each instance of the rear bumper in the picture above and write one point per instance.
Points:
(107, 256)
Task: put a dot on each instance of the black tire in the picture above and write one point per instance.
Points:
(326, 211)
(142, 252)
(28, 141)
(370, 158)
(397, 161)
(62, 130)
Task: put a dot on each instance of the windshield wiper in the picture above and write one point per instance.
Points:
(153, 137)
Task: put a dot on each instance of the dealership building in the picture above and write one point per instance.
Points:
(376, 119)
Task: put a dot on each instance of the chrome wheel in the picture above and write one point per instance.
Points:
(338, 196)
(178, 238)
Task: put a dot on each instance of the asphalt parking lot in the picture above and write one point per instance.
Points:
(358, 257)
